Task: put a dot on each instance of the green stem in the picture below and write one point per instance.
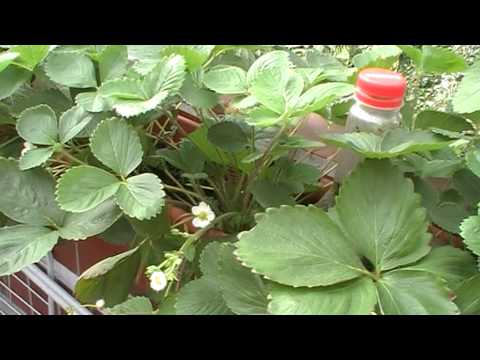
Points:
(203, 231)
(180, 186)
(71, 157)
(5, 144)
(263, 160)
(183, 191)
(218, 191)
(239, 188)
(200, 191)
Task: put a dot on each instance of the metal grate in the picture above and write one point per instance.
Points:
(42, 289)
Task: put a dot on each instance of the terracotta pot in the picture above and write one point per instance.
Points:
(78, 256)
(187, 123)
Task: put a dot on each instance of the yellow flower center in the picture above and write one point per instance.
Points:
(203, 215)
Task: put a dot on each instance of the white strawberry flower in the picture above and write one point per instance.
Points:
(100, 303)
(27, 147)
(203, 215)
(158, 281)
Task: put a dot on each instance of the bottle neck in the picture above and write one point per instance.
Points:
(373, 109)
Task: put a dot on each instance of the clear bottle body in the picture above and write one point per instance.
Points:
(363, 118)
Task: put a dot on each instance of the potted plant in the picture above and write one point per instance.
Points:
(231, 208)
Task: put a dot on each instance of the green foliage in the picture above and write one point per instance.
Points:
(110, 279)
(383, 56)
(373, 239)
(24, 245)
(95, 142)
(433, 59)
(467, 99)
(133, 306)
(392, 144)
(72, 70)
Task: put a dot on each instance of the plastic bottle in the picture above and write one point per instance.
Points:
(379, 97)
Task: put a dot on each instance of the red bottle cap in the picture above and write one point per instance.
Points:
(381, 88)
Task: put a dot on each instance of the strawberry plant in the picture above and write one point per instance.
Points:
(191, 156)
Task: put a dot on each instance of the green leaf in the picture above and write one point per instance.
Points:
(263, 117)
(117, 145)
(210, 260)
(446, 214)
(413, 293)
(72, 122)
(225, 79)
(97, 118)
(441, 60)
(110, 279)
(393, 143)
(317, 97)
(429, 119)
(113, 62)
(92, 102)
(186, 158)
(437, 166)
(242, 290)
(267, 79)
(228, 136)
(269, 194)
(294, 175)
(54, 98)
(142, 52)
(35, 157)
(413, 53)
(128, 97)
(449, 215)
(28, 196)
(6, 58)
(141, 196)
(197, 96)
(167, 307)
(201, 297)
(38, 125)
(120, 233)
(293, 90)
(6, 115)
(80, 226)
(194, 55)
(23, 245)
(167, 76)
(138, 305)
(383, 56)
(72, 70)
(153, 228)
(244, 103)
(451, 264)
(467, 298)
(30, 55)
(333, 69)
(470, 231)
(11, 79)
(468, 185)
(387, 227)
(213, 153)
(311, 76)
(319, 255)
(467, 98)
(473, 161)
(355, 297)
(83, 188)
